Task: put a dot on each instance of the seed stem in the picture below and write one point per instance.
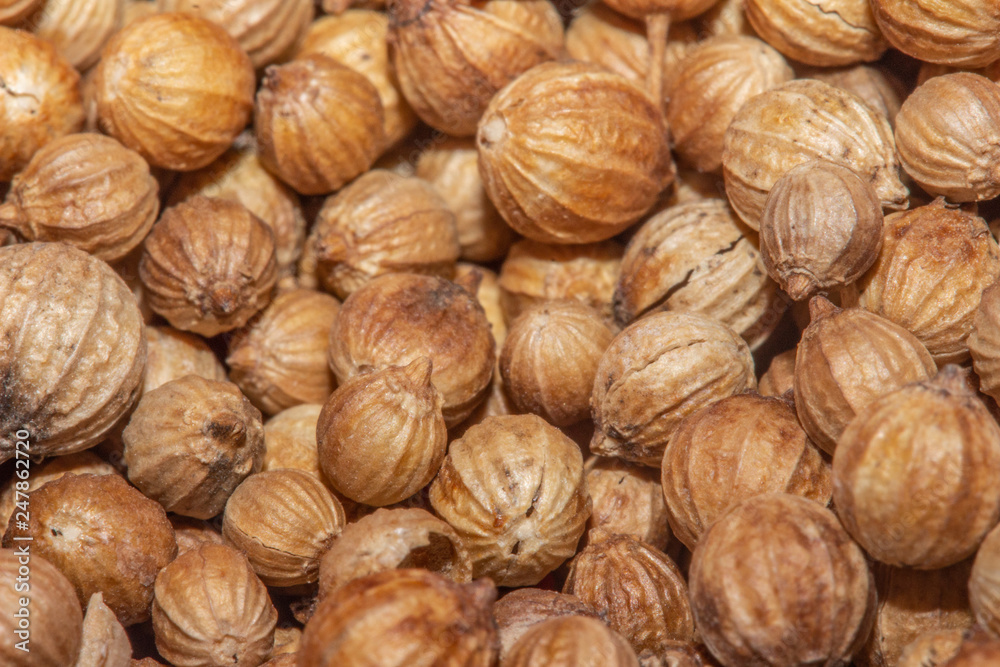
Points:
(657, 28)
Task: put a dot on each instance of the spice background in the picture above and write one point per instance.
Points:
(501, 333)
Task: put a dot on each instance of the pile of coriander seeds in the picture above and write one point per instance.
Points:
(505, 333)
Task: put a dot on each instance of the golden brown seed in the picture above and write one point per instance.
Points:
(694, 257)
(62, 313)
(472, 50)
(711, 83)
(912, 603)
(208, 265)
(381, 436)
(600, 35)
(800, 121)
(536, 272)
(732, 450)
(191, 442)
(279, 360)
(488, 296)
(358, 38)
(779, 376)
(210, 608)
(137, 9)
(557, 190)
(394, 540)
(401, 157)
(391, 618)
(628, 500)
(930, 70)
(656, 372)
(290, 439)
(286, 641)
(984, 583)
(948, 136)
(984, 342)
(676, 10)
(80, 463)
(689, 655)
(879, 89)
(398, 318)
(974, 384)
(926, 252)
(78, 29)
(572, 641)
(778, 581)
(725, 17)
(85, 190)
(104, 642)
(319, 124)
(977, 648)
(915, 474)
(239, 176)
(961, 33)
(128, 535)
(172, 354)
(497, 403)
(12, 11)
(843, 32)
(932, 649)
(338, 7)
(549, 360)
(452, 167)
(192, 533)
(820, 230)
(637, 590)
(41, 99)
(383, 223)
(265, 30)
(283, 520)
(156, 95)
(128, 270)
(847, 359)
(523, 608)
(52, 611)
(515, 491)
